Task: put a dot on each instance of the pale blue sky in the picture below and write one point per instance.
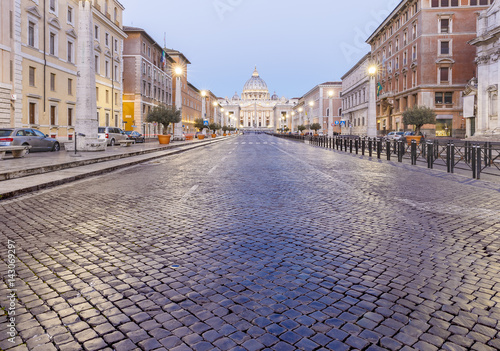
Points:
(295, 44)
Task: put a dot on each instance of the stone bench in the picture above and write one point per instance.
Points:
(127, 143)
(17, 151)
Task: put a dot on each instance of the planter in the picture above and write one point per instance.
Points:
(224, 134)
(201, 137)
(409, 138)
(315, 135)
(164, 139)
(189, 137)
(301, 134)
(214, 135)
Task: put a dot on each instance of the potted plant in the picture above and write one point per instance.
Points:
(286, 129)
(199, 124)
(214, 127)
(225, 129)
(164, 116)
(315, 127)
(418, 116)
(301, 129)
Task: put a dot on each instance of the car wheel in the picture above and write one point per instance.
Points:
(112, 142)
(27, 150)
(56, 147)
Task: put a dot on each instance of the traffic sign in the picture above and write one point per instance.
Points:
(205, 123)
(336, 123)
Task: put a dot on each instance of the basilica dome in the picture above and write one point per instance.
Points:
(255, 88)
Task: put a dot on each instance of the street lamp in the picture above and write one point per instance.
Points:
(179, 71)
(372, 103)
(330, 113)
(311, 105)
(203, 107)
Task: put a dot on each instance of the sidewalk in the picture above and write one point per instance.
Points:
(46, 169)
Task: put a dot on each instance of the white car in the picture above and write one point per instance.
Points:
(395, 135)
(113, 135)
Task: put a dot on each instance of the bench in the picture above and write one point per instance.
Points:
(127, 143)
(17, 151)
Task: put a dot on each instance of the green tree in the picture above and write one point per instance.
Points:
(198, 124)
(301, 128)
(214, 127)
(418, 116)
(225, 129)
(164, 115)
(315, 127)
(286, 129)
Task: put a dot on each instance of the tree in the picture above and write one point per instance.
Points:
(301, 128)
(315, 127)
(164, 115)
(198, 124)
(225, 129)
(418, 116)
(214, 127)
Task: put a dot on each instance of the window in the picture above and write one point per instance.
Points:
(96, 64)
(445, 25)
(106, 39)
(52, 82)
(31, 33)
(32, 72)
(414, 52)
(70, 86)
(52, 43)
(397, 44)
(52, 5)
(454, 3)
(414, 31)
(448, 98)
(444, 98)
(445, 48)
(397, 62)
(106, 68)
(405, 38)
(32, 113)
(116, 44)
(445, 3)
(107, 96)
(106, 6)
(115, 15)
(405, 56)
(479, 2)
(97, 93)
(116, 99)
(96, 32)
(53, 115)
(444, 75)
(70, 51)
(70, 15)
(116, 73)
(414, 79)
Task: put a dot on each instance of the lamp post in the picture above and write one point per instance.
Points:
(179, 71)
(372, 104)
(291, 124)
(301, 117)
(203, 108)
(330, 114)
(311, 105)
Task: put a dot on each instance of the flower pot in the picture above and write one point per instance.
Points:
(409, 138)
(224, 134)
(164, 139)
(189, 137)
(214, 135)
(201, 137)
(315, 135)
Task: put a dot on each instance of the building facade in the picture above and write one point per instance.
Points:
(147, 80)
(355, 96)
(257, 109)
(322, 104)
(191, 108)
(482, 103)
(108, 60)
(423, 58)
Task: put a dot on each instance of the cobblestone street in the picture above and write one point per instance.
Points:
(256, 243)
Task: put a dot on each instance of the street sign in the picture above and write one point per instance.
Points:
(342, 123)
(205, 123)
(336, 123)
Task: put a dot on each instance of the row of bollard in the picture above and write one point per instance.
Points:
(472, 154)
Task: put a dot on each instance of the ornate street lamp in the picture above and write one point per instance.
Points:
(372, 103)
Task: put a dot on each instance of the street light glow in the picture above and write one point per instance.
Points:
(203, 93)
(179, 71)
(311, 103)
(372, 70)
(215, 104)
(330, 93)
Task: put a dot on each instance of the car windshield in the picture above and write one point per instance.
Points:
(399, 133)
(128, 132)
(101, 130)
(5, 132)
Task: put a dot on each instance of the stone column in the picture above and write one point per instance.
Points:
(482, 94)
(178, 105)
(86, 122)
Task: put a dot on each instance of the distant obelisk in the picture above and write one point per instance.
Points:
(86, 105)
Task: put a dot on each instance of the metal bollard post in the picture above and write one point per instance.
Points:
(400, 151)
(452, 157)
(379, 148)
(448, 157)
(370, 147)
(356, 145)
(478, 161)
(388, 149)
(430, 155)
(473, 162)
(413, 151)
(363, 145)
(394, 150)
(350, 146)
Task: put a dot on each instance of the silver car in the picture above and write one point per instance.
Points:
(112, 135)
(28, 136)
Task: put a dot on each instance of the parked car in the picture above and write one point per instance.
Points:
(28, 136)
(395, 135)
(113, 135)
(133, 135)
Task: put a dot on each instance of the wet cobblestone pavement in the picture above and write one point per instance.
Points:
(256, 244)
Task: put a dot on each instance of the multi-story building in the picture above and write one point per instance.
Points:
(423, 59)
(191, 107)
(355, 96)
(322, 104)
(147, 79)
(48, 65)
(108, 61)
(257, 109)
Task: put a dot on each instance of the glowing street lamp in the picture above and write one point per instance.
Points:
(178, 72)
(372, 103)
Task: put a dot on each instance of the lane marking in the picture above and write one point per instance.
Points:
(192, 190)
(213, 169)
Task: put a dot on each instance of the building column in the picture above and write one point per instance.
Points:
(372, 109)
